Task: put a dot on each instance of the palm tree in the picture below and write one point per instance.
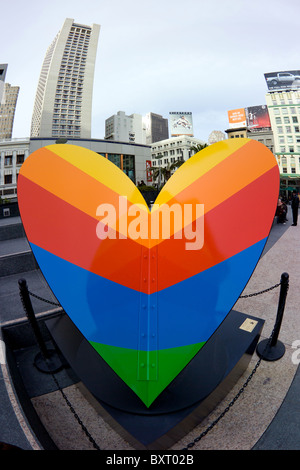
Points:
(198, 147)
(166, 171)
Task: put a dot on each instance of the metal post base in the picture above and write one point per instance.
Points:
(48, 365)
(270, 353)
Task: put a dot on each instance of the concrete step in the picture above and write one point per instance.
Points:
(16, 257)
(11, 228)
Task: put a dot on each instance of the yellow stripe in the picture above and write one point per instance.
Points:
(197, 166)
(101, 169)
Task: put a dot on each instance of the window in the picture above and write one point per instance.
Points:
(7, 179)
(129, 166)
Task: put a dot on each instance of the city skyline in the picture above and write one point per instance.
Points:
(205, 59)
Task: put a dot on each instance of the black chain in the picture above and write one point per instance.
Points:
(44, 300)
(261, 292)
(94, 443)
(242, 389)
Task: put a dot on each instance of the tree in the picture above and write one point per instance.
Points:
(166, 171)
(198, 147)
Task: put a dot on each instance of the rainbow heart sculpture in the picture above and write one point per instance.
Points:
(148, 289)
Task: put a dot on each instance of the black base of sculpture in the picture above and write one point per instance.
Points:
(191, 396)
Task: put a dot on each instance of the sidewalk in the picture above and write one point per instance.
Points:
(265, 416)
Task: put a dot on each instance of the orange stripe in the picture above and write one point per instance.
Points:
(229, 229)
(227, 178)
(77, 188)
(63, 230)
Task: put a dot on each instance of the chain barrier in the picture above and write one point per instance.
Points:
(215, 422)
(69, 404)
(242, 389)
(86, 432)
(261, 292)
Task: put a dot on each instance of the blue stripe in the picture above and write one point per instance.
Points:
(188, 312)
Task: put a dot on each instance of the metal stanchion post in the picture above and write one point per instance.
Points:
(46, 360)
(275, 349)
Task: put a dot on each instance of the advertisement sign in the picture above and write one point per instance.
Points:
(237, 118)
(283, 80)
(148, 172)
(257, 117)
(181, 123)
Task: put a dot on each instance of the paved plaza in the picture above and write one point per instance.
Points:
(265, 416)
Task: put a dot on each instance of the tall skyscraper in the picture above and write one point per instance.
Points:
(7, 110)
(63, 102)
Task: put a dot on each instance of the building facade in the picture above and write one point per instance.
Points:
(3, 68)
(13, 153)
(63, 102)
(7, 110)
(156, 128)
(122, 128)
(168, 151)
(284, 111)
(131, 158)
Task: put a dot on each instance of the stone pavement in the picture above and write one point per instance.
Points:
(266, 415)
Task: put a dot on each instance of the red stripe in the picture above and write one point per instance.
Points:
(61, 229)
(70, 234)
(231, 227)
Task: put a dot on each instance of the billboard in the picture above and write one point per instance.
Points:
(257, 117)
(181, 123)
(283, 80)
(237, 118)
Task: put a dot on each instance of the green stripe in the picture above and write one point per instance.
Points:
(147, 373)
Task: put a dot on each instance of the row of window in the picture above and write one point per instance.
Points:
(166, 153)
(8, 160)
(173, 144)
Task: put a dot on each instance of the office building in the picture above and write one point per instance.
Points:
(63, 103)
(168, 151)
(215, 136)
(122, 128)
(156, 128)
(284, 110)
(3, 68)
(13, 153)
(7, 110)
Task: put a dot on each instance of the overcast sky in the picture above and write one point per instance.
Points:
(201, 56)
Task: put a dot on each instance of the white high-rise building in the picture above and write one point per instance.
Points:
(122, 128)
(63, 103)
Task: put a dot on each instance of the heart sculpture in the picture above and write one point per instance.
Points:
(148, 301)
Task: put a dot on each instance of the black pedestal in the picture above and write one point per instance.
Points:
(191, 396)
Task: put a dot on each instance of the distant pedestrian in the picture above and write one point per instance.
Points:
(295, 206)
